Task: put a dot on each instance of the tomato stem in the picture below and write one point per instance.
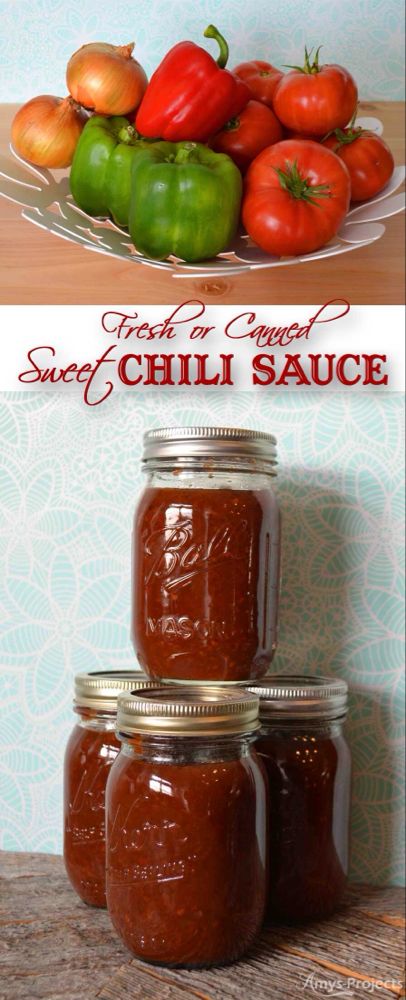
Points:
(300, 187)
(347, 135)
(232, 125)
(344, 137)
(310, 68)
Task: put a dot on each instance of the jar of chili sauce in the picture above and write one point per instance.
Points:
(206, 556)
(91, 750)
(308, 763)
(186, 815)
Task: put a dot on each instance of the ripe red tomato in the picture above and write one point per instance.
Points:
(369, 160)
(299, 135)
(316, 99)
(297, 194)
(244, 137)
(261, 79)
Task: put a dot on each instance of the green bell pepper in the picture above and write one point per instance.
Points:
(185, 201)
(100, 177)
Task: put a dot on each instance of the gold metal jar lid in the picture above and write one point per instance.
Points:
(300, 697)
(188, 711)
(182, 444)
(100, 690)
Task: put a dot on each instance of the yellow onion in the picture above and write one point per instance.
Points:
(46, 130)
(106, 79)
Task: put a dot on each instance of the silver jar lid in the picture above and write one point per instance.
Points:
(300, 697)
(188, 711)
(99, 690)
(182, 443)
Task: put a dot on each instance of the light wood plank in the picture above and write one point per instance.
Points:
(54, 947)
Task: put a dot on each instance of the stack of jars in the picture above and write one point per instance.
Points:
(228, 791)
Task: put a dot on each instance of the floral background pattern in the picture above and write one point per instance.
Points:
(69, 479)
(38, 36)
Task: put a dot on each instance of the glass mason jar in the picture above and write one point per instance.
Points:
(186, 837)
(206, 556)
(308, 763)
(90, 752)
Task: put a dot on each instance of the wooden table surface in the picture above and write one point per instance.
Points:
(37, 267)
(54, 947)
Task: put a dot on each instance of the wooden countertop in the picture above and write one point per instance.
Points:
(52, 946)
(37, 267)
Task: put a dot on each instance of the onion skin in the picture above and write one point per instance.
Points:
(106, 79)
(46, 130)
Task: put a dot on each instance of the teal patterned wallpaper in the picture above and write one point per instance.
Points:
(69, 478)
(38, 36)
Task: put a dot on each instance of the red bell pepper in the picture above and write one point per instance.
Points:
(190, 96)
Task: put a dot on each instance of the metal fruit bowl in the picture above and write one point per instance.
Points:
(46, 202)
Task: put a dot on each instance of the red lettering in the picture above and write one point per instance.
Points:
(156, 366)
(109, 385)
(200, 332)
(122, 369)
(84, 370)
(35, 371)
(341, 363)
(293, 369)
(263, 363)
(374, 367)
(184, 369)
(203, 379)
(315, 368)
(226, 378)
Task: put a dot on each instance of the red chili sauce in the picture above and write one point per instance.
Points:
(205, 583)
(308, 834)
(186, 870)
(88, 758)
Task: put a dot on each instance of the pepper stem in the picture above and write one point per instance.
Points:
(212, 32)
(186, 153)
(129, 134)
